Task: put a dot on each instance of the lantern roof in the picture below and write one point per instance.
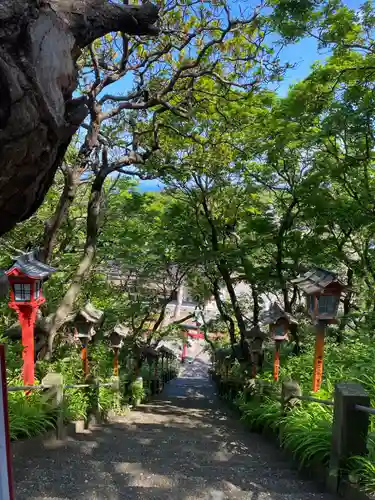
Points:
(29, 265)
(91, 314)
(276, 312)
(316, 280)
(121, 330)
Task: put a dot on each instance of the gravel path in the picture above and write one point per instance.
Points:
(182, 446)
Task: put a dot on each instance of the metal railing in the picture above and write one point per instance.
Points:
(325, 402)
(365, 409)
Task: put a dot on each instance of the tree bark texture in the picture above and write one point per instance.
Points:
(225, 273)
(54, 223)
(226, 317)
(40, 41)
(93, 218)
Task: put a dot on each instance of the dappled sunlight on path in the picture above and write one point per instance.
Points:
(181, 446)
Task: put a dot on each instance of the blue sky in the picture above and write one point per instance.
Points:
(302, 54)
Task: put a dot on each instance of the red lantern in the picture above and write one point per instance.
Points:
(26, 277)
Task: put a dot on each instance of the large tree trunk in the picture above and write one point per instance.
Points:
(54, 223)
(347, 306)
(93, 217)
(223, 313)
(39, 45)
(256, 306)
(161, 316)
(224, 271)
(285, 225)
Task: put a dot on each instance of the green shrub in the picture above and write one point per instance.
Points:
(137, 391)
(361, 470)
(306, 431)
(29, 416)
(261, 415)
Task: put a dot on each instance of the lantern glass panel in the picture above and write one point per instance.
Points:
(328, 304)
(38, 289)
(310, 303)
(279, 330)
(22, 292)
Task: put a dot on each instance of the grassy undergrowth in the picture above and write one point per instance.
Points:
(306, 430)
(31, 416)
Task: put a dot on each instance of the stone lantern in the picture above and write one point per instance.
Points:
(255, 338)
(279, 322)
(116, 339)
(84, 322)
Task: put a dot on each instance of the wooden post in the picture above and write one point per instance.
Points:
(319, 355)
(115, 361)
(349, 430)
(85, 361)
(54, 383)
(276, 361)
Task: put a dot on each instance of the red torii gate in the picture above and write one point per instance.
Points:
(193, 335)
(194, 332)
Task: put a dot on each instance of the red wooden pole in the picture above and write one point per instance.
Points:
(318, 358)
(115, 361)
(85, 361)
(276, 361)
(27, 317)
